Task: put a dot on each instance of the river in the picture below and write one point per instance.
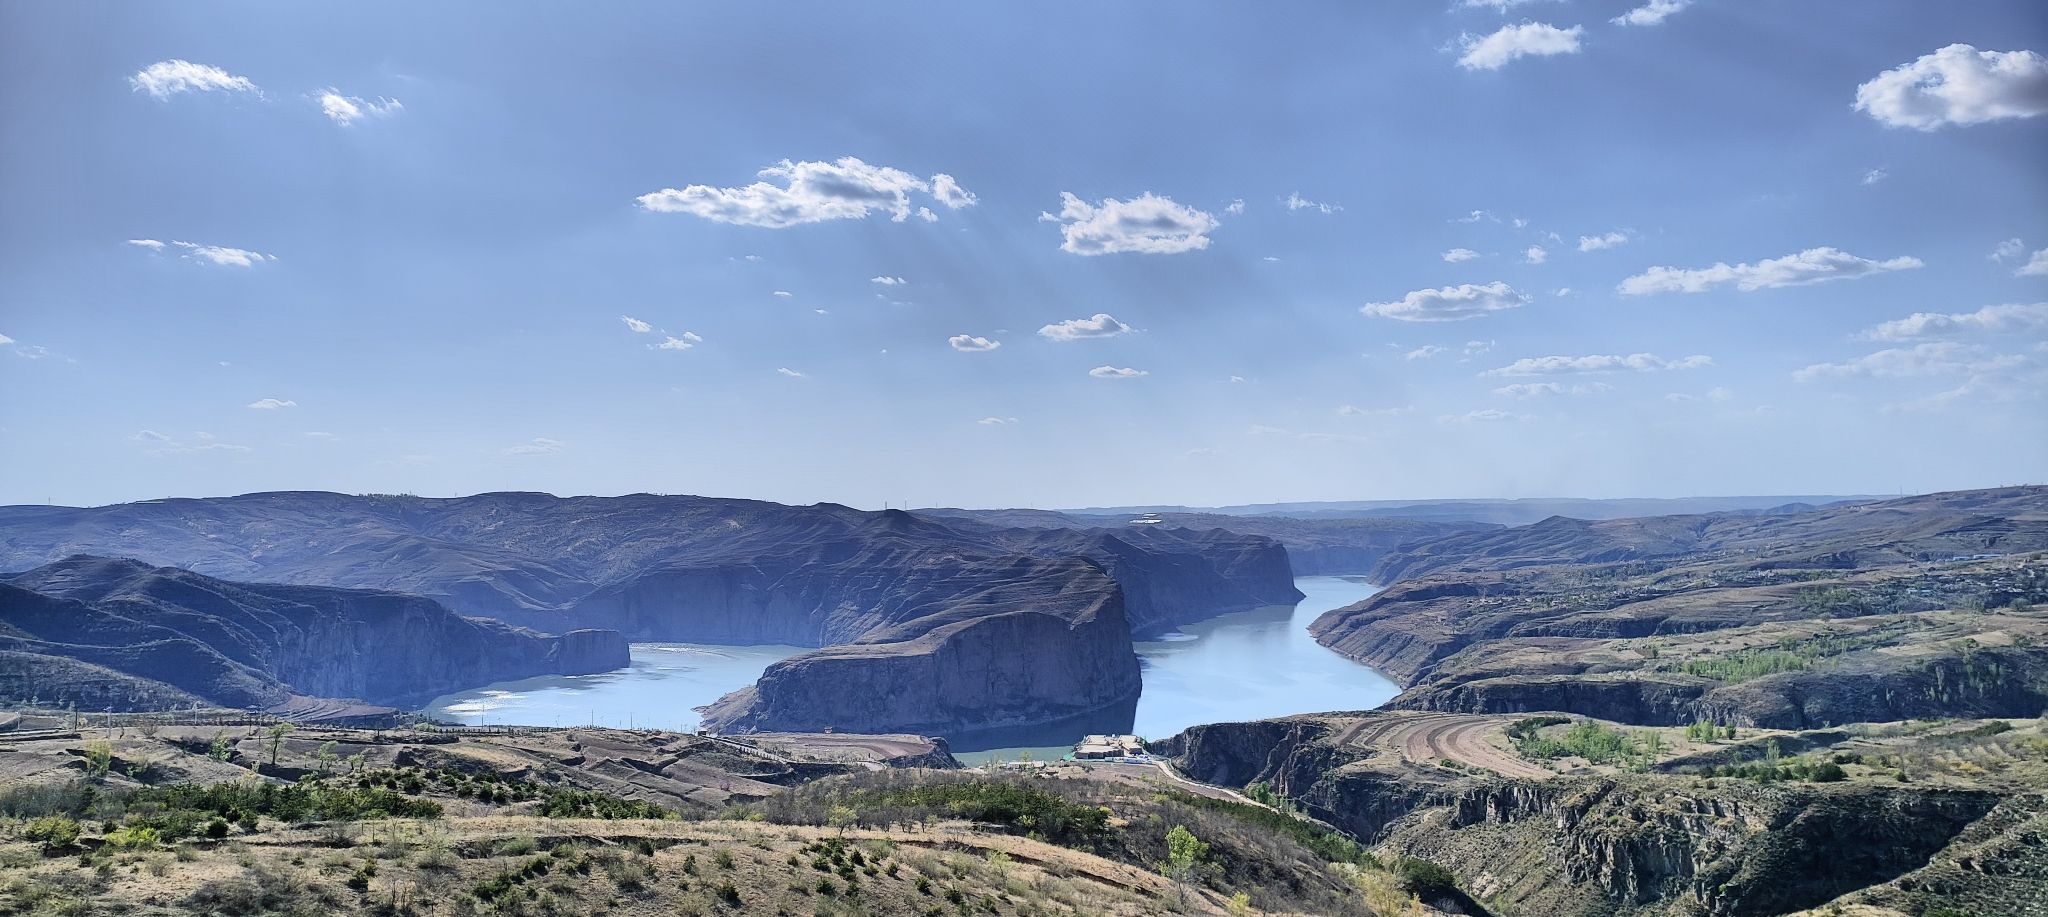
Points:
(1244, 666)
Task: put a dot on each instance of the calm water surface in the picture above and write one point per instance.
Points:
(1244, 666)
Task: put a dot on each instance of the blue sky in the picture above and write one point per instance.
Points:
(413, 238)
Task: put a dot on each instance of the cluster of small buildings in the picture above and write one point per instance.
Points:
(1099, 747)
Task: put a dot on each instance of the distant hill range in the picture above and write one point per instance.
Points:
(1519, 511)
(941, 626)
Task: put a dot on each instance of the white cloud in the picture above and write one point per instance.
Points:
(164, 79)
(539, 445)
(1294, 201)
(154, 443)
(1234, 380)
(347, 110)
(635, 325)
(1100, 325)
(949, 193)
(688, 340)
(1501, 5)
(1475, 348)
(2036, 266)
(1597, 363)
(271, 404)
(1958, 85)
(1148, 224)
(1530, 39)
(1116, 372)
(1561, 292)
(996, 421)
(1814, 265)
(5, 340)
(1930, 359)
(2004, 319)
(1449, 304)
(783, 294)
(155, 246)
(2010, 248)
(1235, 207)
(1535, 255)
(319, 435)
(926, 214)
(1486, 415)
(1355, 411)
(1875, 175)
(1424, 352)
(968, 343)
(888, 281)
(1527, 390)
(1460, 254)
(1478, 216)
(793, 374)
(795, 193)
(1651, 13)
(1269, 258)
(223, 255)
(1596, 243)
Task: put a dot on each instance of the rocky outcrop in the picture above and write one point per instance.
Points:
(1653, 845)
(1045, 640)
(244, 645)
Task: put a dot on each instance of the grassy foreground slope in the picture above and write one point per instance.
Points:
(196, 820)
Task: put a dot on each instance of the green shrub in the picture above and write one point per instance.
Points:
(1423, 878)
(54, 832)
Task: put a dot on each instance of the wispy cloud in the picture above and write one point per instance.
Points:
(223, 255)
(1100, 325)
(1294, 201)
(1527, 390)
(1604, 241)
(1460, 254)
(272, 404)
(539, 445)
(2036, 266)
(155, 246)
(968, 343)
(996, 421)
(347, 110)
(2002, 319)
(1449, 304)
(164, 79)
(1116, 372)
(1424, 352)
(688, 340)
(1814, 265)
(1483, 415)
(1509, 43)
(154, 443)
(635, 325)
(1535, 255)
(1598, 363)
(1147, 224)
(796, 193)
(1929, 359)
(887, 281)
(793, 374)
(1651, 13)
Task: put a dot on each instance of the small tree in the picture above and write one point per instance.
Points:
(1184, 855)
(326, 758)
(219, 749)
(277, 734)
(841, 817)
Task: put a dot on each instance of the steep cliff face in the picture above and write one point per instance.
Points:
(1046, 640)
(241, 644)
(1665, 846)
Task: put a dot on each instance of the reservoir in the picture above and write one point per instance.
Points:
(1243, 666)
